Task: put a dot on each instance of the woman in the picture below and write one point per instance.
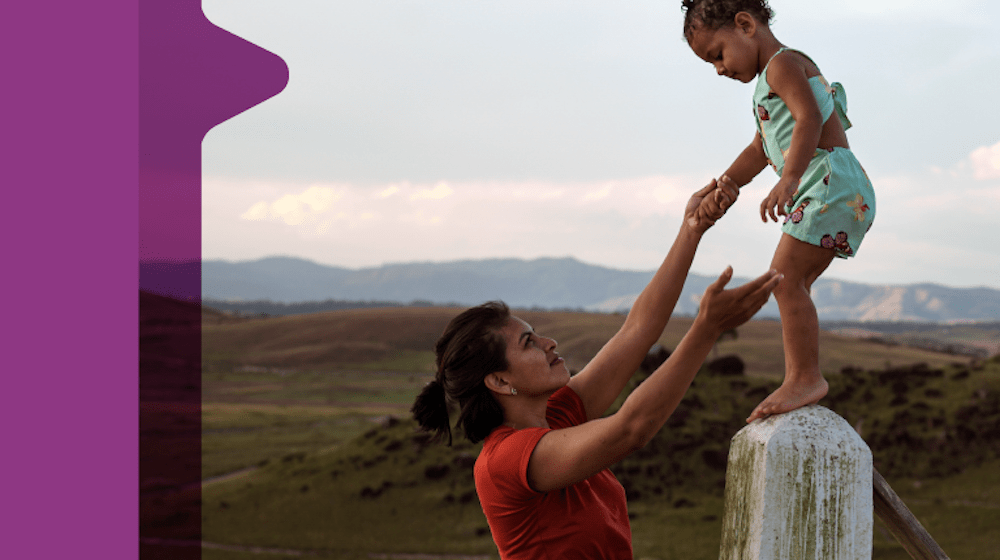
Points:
(542, 476)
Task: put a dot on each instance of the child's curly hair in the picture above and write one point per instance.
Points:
(715, 14)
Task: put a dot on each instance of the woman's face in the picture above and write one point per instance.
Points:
(535, 367)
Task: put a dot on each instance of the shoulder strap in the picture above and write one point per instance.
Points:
(781, 50)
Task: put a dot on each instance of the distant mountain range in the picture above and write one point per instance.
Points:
(548, 283)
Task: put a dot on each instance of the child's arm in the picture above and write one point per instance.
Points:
(749, 163)
(786, 76)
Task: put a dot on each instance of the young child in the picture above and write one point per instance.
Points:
(824, 195)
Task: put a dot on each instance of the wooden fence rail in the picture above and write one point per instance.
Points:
(902, 524)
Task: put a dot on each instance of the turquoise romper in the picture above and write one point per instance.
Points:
(835, 203)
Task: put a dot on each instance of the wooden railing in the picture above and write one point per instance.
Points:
(902, 524)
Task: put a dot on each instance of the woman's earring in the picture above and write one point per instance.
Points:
(513, 391)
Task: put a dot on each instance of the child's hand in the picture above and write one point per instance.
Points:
(726, 193)
(781, 196)
(709, 204)
(692, 213)
(710, 209)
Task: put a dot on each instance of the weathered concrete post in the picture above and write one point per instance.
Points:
(798, 486)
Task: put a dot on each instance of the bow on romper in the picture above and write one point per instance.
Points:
(835, 203)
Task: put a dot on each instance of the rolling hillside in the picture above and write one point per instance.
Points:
(550, 283)
(310, 411)
(342, 339)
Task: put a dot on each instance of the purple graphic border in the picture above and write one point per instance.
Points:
(69, 169)
(192, 76)
(74, 222)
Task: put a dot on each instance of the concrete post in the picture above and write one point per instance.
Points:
(798, 486)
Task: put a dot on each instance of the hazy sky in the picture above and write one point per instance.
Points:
(438, 130)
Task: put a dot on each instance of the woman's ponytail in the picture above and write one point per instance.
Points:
(430, 410)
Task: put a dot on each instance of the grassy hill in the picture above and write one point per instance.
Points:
(313, 410)
(403, 338)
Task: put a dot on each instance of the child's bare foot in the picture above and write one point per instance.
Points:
(791, 395)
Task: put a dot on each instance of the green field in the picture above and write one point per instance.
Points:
(310, 412)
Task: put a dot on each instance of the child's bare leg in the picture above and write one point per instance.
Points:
(801, 263)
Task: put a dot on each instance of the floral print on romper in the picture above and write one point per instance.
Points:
(834, 204)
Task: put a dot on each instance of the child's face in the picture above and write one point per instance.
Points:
(731, 50)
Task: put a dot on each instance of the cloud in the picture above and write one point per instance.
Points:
(440, 190)
(295, 209)
(985, 162)
(425, 203)
(256, 212)
(444, 220)
(388, 191)
(922, 218)
(636, 198)
(982, 164)
(597, 195)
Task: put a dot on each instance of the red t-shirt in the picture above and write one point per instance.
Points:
(587, 520)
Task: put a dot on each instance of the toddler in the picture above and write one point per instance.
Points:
(824, 196)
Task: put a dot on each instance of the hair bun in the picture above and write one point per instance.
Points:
(430, 410)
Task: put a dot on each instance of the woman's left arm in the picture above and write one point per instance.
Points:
(602, 380)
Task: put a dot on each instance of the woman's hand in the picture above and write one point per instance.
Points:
(780, 196)
(708, 205)
(728, 309)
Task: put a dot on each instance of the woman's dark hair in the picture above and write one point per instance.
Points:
(715, 14)
(470, 348)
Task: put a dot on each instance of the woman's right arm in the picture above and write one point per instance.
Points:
(566, 456)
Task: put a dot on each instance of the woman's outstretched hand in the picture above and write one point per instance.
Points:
(706, 206)
(728, 309)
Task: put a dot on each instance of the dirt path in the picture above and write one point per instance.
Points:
(228, 476)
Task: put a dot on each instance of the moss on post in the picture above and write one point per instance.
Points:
(798, 485)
